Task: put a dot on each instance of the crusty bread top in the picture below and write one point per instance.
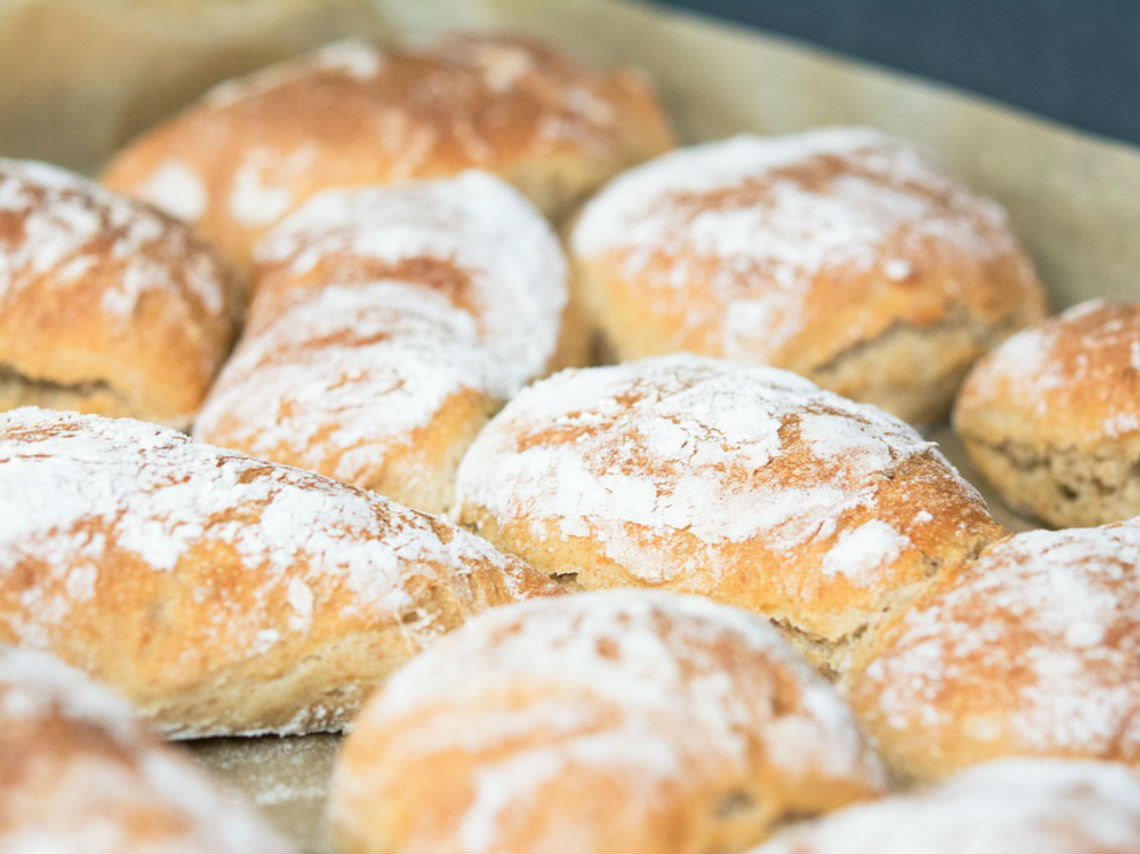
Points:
(56, 226)
(350, 113)
(642, 693)
(349, 371)
(1030, 805)
(695, 473)
(473, 239)
(764, 239)
(92, 504)
(82, 774)
(100, 290)
(1032, 649)
(1072, 381)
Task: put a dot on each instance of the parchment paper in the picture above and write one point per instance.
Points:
(79, 78)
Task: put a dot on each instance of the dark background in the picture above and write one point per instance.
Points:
(1077, 61)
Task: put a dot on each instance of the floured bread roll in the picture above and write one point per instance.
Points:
(607, 721)
(472, 239)
(447, 296)
(1039, 805)
(350, 114)
(840, 254)
(1033, 650)
(1052, 416)
(83, 776)
(739, 482)
(106, 305)
(219, 593)
(382, 385)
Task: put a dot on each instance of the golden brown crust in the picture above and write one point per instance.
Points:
(1052, 417)
(738, 482)
(222, 594)
(617, 721)
(1032, 650)
(382, 385)
(106, 305)
(78, 773)
(349, 115)
(388, 325)
(839, 254)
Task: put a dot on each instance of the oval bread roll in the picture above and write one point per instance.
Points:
(610, 721)
(1052, 416)
(1038, 805)
(219, 593)
(350, 114)
(739, 482)
(388, 325)
(1033, 650)
(106, 305)
(82, 775)
(840, 254)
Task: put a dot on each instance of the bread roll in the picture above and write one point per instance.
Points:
(350, 114)
(106, 305)
(1052, 417)
(739, 482)
(83, 776)
(219, 593)
(612, 721)
(382, 385)
(1031, 805)
(840, 254)
(472, 239)
(1034, 650)
(446, 297)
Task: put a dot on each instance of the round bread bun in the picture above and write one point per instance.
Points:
(106, 305)
(472, 239)
(608, 721)
(1033, 650)
(1032, 805)
(740, 482)
(381, 385)
(222, 594)
(83, 776)
(840, 254)
(350, 114)
(1052, 416)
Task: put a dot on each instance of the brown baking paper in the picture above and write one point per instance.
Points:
(78, 78)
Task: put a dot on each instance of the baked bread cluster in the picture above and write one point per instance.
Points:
(706, 597)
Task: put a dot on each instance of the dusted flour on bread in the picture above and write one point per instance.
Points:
(641, 715)
(1043, 806)
(1032, 650)
(166, 566)
(740, 482)
(840, 253)
(82, 774)
(350, 115)
(381, 385)
(68, 225)
(473, 239)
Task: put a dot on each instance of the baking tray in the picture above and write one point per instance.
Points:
(1073, 198)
